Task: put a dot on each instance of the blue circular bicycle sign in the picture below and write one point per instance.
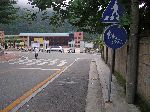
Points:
(115, 36)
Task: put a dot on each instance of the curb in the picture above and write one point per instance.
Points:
(117, 97)
(94, 101)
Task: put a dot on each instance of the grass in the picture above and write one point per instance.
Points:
(120, 79)
(139, 101)
(144, 107)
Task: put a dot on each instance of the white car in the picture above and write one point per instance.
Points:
(57, 48)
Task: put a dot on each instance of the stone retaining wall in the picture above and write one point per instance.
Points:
(143, 87)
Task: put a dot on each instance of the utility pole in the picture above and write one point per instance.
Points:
(132, 69)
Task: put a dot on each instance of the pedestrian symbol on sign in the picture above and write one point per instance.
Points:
(112, 13)
(115, 36)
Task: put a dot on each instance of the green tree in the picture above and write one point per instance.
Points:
(85, 15)
(98, 42)
(7, 11)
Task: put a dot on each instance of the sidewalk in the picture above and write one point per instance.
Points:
(118, 103)
(94, 101)
(7, 56)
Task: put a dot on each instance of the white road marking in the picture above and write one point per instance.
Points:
(37, 61)
(26, 62)
(20, 60)
(42, 63)
(37, 69)
(62, 62)
(53, 62)
(50, 69)
(17, 62)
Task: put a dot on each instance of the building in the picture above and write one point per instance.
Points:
(47, 39)
(44, 39)
(50, 39)
(78, 36)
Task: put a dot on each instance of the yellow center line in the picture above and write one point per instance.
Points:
(30, 92)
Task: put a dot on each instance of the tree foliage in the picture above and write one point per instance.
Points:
(145, 15)
(26, 24)
(85, 14)
(7, 11)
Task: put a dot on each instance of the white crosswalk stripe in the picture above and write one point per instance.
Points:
(28, 62)
(42, 63)
(62, 62)
(53, 62)
(17, 62)
(38, 61)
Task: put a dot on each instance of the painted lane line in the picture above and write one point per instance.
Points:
(13, 107)
(63, 62)
(29, 61)
(37, 69)
(53, 62)
(18, 103)
(10, 70)
(45, 59)
(50, 69)
(30, 68)
(24, 57)
(17, 62)
(42, 63)
(37, 61)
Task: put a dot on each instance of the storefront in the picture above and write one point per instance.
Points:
(45, 39)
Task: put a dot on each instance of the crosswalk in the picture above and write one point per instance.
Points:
(26, 61)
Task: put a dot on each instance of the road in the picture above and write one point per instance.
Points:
(54, 82)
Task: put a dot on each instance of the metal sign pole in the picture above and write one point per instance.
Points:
(113, 62)
(109, 88)
(111, 72)
(114, 35)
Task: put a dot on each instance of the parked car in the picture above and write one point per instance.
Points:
(57, 48)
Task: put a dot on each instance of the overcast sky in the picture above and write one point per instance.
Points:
(24, 3)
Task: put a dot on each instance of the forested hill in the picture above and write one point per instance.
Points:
(42, 26)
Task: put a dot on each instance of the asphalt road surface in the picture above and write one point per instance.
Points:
(55, 82)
